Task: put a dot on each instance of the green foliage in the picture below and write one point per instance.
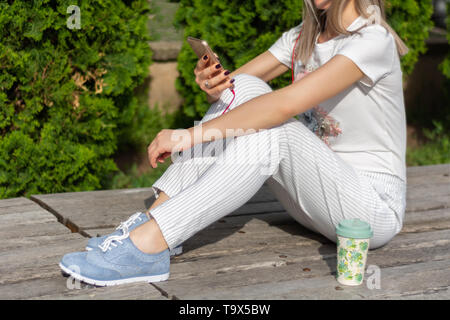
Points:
(437, 149)
(132, 178)
(148, 123)
(411, 19)
(445, 66)
(238, 31)
(66, 97)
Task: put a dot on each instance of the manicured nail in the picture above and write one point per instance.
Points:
(218, 66)
(227, 73)
(205, 57)
(232, 80)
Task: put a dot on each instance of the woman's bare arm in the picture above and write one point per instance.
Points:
(276, 107)
(265, 66)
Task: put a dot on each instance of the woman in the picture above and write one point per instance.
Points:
(344, 158)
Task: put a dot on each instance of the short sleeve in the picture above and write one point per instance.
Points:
(283, 47)
(373, 50)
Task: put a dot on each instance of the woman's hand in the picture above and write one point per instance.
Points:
(166, 142)
(218, 78)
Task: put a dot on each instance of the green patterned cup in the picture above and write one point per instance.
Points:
(353, 238)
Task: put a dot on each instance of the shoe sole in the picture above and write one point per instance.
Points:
(174, 252)
(108, 283)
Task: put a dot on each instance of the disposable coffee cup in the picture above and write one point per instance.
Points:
(353, 239)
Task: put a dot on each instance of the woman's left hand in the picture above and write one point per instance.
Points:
(166, 142)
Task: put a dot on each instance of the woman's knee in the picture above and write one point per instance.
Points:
(247, 87)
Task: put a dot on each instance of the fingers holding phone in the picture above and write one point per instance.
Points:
(209, 73)
(212, 79)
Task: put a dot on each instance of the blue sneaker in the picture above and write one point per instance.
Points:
(131, 223)
(117, 262)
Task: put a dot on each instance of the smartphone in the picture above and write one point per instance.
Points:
(201, 48)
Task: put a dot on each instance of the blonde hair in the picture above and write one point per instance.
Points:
(315, 21)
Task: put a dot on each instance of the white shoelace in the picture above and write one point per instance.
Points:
(106, 245)
(108, 242)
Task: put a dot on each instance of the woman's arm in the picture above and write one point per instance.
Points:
(265, 66)
(276, 107)
(262, 112)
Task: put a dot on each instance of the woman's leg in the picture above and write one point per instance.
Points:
(193, 162)
(304, 172)
(319, 189)
(187, 168)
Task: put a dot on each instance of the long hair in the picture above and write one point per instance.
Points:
(315, 21)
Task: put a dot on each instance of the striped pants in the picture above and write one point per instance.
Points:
(314, 185)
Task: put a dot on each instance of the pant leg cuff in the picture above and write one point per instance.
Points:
(170, 191)
(164, 225)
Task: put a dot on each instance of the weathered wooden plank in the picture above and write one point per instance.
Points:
(425, 227)
(423, 171)
(40, 260)
(432, 294)
(59, 287)
(14, 202)
(31, 217)
(96, 209)
(236, 257)
(419, 217)
(35, 229)
(99, 232)
(418, 221)
(425, 191)
(23, 208)
(34, 288)
(30, 241)
(396, 282)
(89, 210)
(135, 291)
(21, 222)
(105, 209)
(258, 207)
(422, 221)
(432, 203)
(429, 179)
(241, 252)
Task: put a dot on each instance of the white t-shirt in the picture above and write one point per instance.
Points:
(365, 124)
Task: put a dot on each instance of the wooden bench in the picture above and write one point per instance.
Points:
(257, 252)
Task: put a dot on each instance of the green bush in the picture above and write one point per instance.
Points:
(67, 95)
(445, 66)
(240, 30)
(435, 151)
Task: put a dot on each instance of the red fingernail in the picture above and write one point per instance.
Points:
(205, 57)
(232, 80)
